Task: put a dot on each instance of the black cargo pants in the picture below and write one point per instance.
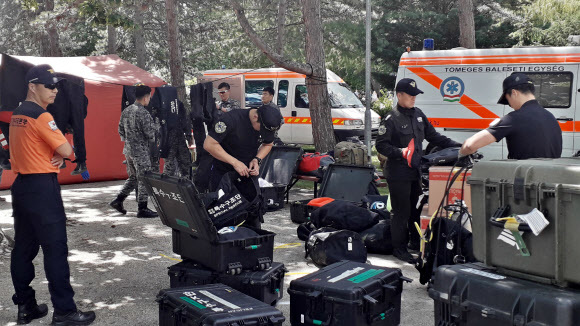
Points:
(39, 222)
(404, 196)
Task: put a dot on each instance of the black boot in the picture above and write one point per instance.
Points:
(81, 167)
(118, 204)
(30, 311)
(404, 255)
(73, 318)
(145, 212)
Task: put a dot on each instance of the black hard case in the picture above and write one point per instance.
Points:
(476, 295)
(280, 164)
(194, 235)
(274, 197)
(346, 182)
(347, 293)
(266, 286)
(213, 305)
(278, 168)
(300, 211)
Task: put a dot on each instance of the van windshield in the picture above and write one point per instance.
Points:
(339, 94)
(342, 97)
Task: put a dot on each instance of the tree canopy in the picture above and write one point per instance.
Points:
(211, 37)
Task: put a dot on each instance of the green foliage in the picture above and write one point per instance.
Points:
(548, 22)
(384, 105)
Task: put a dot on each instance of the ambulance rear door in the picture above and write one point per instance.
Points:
(460, 100)
(556, 88)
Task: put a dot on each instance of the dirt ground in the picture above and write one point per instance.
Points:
(119, 262)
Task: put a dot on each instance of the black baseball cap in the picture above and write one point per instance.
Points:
(512, 81)
(42, 74)
(409, 86)
(270, 121)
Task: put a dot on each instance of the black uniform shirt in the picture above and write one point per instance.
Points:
(236, 135)
(530, 132)
(396, 131)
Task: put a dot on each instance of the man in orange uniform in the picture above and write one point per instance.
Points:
(37, 150)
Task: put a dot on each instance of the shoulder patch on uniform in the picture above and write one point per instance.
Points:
(52, 125)
(382, 129)
(494, 122)
(220, 127)
(420, 119)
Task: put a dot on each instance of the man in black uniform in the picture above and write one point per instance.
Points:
(530, 130)
(240, 140)
(401, 136)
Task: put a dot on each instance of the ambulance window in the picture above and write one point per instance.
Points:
(301, 97)
(254, 91)
(553, 89)
(283, 93)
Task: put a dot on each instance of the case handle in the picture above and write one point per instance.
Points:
(253, 247)
(382, 316)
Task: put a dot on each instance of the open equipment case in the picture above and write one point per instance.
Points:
(277, 169)
(194, 235)
(345, 182)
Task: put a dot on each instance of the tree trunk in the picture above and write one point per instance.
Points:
(111, 39)
(175, 57)
(322, 130)
(466, 24)
(315, 69)
(50, 44)
(282, 6)
(139, 37)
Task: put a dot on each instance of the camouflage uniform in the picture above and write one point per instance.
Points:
(154, 147)
(138, 131)
(179, 157)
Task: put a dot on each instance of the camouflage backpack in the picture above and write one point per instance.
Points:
(347, 152)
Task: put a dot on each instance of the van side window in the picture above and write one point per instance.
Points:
(283, 93)
(553, 89)
(301, 97)
(254, 91)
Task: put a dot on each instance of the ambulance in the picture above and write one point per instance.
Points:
(291, 96)
(462, 87)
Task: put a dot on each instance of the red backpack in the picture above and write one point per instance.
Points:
(312, 163)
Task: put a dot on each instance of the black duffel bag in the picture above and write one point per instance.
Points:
(236, 199)
(304, 230)
(377, 239)
(344, 215)
(327, 246)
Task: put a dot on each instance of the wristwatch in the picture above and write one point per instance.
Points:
(258, 159)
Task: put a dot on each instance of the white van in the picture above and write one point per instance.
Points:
(462, 88)
(291, 96)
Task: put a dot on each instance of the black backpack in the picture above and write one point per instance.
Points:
(450, 244)
(377, 239)
(327, 246)
(344, 215)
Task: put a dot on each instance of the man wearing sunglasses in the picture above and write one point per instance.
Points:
(240, 140)
(226, 104)
(37, 150)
